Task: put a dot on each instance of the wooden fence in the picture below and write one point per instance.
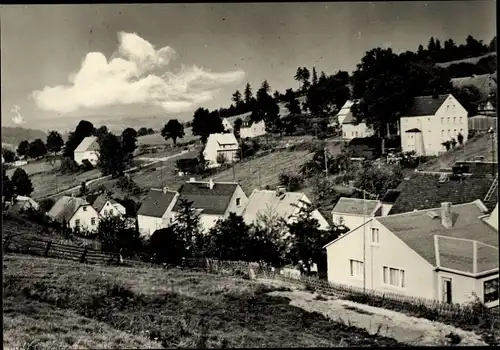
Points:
(393, 301)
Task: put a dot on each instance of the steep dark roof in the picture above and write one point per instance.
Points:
(390, 196)
(454, 246)
(211, 201)
(413, 130)
(65, 208)
(425, 105)
(97, 201)
(156, 203)
(423, 191)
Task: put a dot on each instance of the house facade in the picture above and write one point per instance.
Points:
(218, 145)
(88, 149)
(267, 204)
(155, 211)
(212, 200)
(76, 213)
(353, 212)
(444, 254)
(430, 122)
(248, 128)
(350, 127)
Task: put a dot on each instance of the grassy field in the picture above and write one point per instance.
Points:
(158, 140)
(52, 181)
(262, 171)
(477, 146)
(51, 303)
(36, 167)
(471, 60)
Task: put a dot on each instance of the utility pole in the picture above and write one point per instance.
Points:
(493, 167)
(326, 164)
(234, 174)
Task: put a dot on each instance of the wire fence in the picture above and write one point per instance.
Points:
(433, 309)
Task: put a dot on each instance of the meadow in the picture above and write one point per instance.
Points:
(51, 303)
(158, 140)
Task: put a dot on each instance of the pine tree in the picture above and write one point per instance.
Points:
(314, 77)
(248, 94)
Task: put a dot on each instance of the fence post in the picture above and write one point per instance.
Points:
(82, 259)
(49, 243)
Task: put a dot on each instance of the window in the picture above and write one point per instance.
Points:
(448, 120)
(111, 211)
(460, 119)
(356, 133)
(356, 268)
(442, 132)
(448, 132)
(345, 134)
(454, 132)
(105, 213)
(107, 204)
(454, 120)
(92, 221)
(375, 237)
(394, 277)
(428, 119)
(490, 290)
(77, 222)
(84, 208)
(238, 201)
(442, 120)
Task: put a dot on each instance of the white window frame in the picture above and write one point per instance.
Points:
(356, 269)
(92, 221)
(375, 236)
(105, 212)
(386, 277)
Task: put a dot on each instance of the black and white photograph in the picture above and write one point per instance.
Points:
(249, 175)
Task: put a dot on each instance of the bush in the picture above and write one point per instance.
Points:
(292, 182)
(125, 183)
(68, 165)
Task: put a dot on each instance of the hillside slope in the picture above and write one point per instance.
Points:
(14, 135)
(471, 60)
(480, 145)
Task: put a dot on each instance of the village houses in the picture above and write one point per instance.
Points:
(76, 213)
(248, 128)
(88, 150)
(264, 205)
(212, 200)
(350, 127)
(221, 145)
(352, 212)
(444, 253)
(431, 121)
(155, 212)
(106, 206)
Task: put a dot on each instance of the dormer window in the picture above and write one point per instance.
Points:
(84, 208)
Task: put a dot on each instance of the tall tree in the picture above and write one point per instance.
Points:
(173, 130)
(230, 239)
(21, 183)
(306, 75)
(37, 149)
(101, 131)
(265, 87)
(112, 160)
(7, 187)
(299, 76)
(188, 228)
(314, 76)
(291, 102)
(82, 130)
(248, 94)
(206, 123)
(237, 99)
(8, 155)
(54, 142)
(129, 142)
(431, 47)
(22, 149)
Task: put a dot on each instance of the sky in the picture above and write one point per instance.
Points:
(64, 63)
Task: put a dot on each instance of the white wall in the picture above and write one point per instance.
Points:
(149, 224)
(449, 120)
(386, 208)
(91, 156)
(350, 131)
(208, 221)
(85, 215)
(255, 130)
(391, 252)
(118, 209)
(227, 125)
(350, 221)
(233, 207)
(212, 149)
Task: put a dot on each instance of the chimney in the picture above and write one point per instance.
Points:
(211, 184)
(192, 179)
(280, 190)
(165, 189)
(446, 218)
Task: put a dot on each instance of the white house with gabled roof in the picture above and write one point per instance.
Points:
(155, 211)
(76, 213)
(248, 129)
(88, 149)
(431, 121)
(221, 144)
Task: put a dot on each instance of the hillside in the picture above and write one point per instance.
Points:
(480, 145)
(14, 135)
(471, 60)
(146, 307)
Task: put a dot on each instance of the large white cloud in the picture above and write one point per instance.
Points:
(136, 73)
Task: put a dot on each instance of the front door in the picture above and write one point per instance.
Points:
(446, 290)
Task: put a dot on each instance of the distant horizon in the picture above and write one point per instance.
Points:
(152, 62)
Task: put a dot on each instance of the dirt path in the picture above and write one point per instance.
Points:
(403, 328)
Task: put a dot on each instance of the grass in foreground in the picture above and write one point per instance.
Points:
(175, 308)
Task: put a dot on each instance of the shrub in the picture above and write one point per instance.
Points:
(68, 165)
(125, 183)
(293, 182)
